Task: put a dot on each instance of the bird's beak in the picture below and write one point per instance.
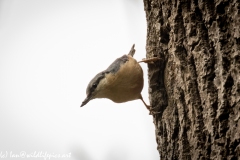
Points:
(86, 100)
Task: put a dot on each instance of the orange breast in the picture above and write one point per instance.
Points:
(127, 83)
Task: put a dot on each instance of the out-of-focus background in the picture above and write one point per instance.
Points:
(49, 51)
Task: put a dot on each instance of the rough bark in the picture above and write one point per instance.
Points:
(195, 86)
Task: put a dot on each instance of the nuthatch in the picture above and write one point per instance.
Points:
(122, 81)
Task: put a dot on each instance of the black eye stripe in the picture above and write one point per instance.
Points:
(93, 87)
(94, 82)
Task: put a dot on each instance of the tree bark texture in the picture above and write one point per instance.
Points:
(195, 87)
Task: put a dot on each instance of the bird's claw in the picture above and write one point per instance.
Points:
(152, 112)
(149, 60)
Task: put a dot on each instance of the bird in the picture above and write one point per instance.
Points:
(121, 82)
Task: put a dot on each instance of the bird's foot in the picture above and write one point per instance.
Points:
(149, 60)
(152, 112)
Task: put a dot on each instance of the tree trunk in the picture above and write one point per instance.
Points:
(195, 87)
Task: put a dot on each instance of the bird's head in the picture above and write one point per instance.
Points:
(95, 88)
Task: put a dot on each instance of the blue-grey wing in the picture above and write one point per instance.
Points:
(115, 66)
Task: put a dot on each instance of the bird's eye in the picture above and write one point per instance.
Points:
(94, 85)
